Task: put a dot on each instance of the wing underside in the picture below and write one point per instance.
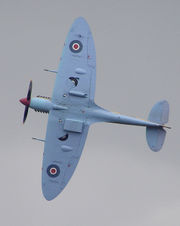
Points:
(67, 129)
(64, 142)
(76, 77)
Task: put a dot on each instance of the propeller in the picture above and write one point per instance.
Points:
(26, 101)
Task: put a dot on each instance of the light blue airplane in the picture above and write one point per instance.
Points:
(72, 110)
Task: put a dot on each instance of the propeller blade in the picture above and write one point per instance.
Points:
(29, 91)
(25, 113)
(26, 101)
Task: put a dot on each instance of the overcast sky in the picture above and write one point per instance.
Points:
(118, 181)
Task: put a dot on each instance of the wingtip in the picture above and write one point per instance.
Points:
(49, 196)
(51, 190)
(81, 20)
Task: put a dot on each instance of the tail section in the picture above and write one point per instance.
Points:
(159, 113)
(156, 135)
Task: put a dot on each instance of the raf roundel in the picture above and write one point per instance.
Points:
(53, 170)
(75, 46)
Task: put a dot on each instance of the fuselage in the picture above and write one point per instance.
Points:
(41, 104)
(93, 113)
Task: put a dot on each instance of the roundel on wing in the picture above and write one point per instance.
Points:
(53, 170)
(75, 46)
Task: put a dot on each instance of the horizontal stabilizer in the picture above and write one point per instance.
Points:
(155, 138)
(156, 135)
(159, 113)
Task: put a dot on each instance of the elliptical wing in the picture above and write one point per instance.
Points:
(74, 86)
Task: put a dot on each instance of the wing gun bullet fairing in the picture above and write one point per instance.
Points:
(72, 110)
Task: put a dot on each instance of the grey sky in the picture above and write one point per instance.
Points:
(118, 181)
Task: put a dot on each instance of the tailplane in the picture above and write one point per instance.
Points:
(156, 135)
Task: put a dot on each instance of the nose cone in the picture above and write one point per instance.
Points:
(25, 101)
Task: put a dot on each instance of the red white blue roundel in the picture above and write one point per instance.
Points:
(53, 170)
(76, 46)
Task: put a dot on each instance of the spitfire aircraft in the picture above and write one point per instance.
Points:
(72, 110)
